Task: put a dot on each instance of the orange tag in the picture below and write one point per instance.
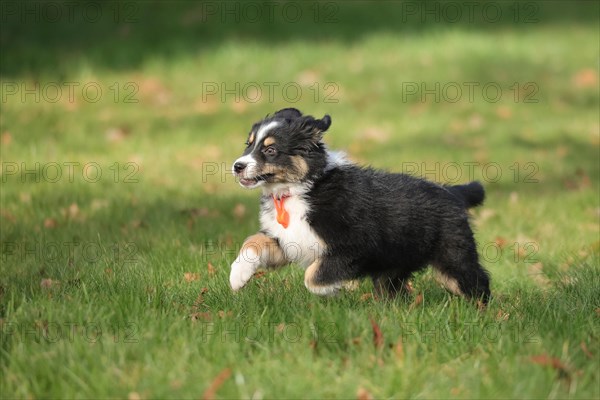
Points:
(282, 215)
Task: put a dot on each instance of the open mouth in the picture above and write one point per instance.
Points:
(249, 182)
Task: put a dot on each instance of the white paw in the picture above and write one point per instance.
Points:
(241, 272)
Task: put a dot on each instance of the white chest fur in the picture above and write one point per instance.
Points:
(298, 241)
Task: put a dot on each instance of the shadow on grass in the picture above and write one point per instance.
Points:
(40, 38)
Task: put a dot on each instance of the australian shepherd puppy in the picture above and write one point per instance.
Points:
(340, 221)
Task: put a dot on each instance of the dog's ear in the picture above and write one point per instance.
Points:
(288, 113)
(323, 124)
(319, 126)
(313, 128)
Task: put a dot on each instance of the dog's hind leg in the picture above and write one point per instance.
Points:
(327, 275)
(258, 250)
(391, 285)
(457, 264)
(463, 275)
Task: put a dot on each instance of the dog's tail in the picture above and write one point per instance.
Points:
(472, 194)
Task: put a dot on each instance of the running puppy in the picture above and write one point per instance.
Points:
(341, 221)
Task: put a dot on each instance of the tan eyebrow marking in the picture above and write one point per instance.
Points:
(269, 141)
(251, 138)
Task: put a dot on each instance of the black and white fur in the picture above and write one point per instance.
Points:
(349, 222)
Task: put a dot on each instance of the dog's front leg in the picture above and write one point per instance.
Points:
(257, 251)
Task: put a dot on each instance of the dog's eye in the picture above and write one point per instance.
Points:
(270, 151)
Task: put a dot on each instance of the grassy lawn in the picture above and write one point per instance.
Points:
(119, 219)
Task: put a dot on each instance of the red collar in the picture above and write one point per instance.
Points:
(283, 217)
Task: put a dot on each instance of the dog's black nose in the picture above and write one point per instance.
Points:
(238, 167)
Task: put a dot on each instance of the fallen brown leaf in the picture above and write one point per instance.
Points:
(72, 211)
(417, 302)
(555, 363)
(399, 350)
(211, 392)
(116, 134)
(49, 283)
(586, 351)
(536, 273)
(205, 316)
(500, 242)
(211, 269)
(134, 396)
(239, 210)
(50, 223)
(502, 316)
(376, 134)
(8, 216)
(363, 394)
(366, 296)
(191, 276)
(504, 112)
(6, 138)
(587, 77)
(377, 335)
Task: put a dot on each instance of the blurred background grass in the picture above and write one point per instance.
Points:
(163, 145)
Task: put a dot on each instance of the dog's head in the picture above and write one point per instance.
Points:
(283, 148)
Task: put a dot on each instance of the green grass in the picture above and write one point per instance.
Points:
(94, 300)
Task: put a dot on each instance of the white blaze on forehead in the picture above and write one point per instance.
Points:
(249, 160)
(263, 130)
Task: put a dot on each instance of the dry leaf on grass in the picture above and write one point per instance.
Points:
(363, 394)
(204, 316)
(500, 242)
(502, 315)
(366, 296)
(8, 216)
(211, 269)
(50, 223)
(49, 283)
(239, 211)
(191, 276)
(134, 396)
(555, 363)
(211, 392)
(587, 77)
(536, 273)
(6, 138)
(586, 351)
(377, 335)
(399, 350)
(417, 302)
